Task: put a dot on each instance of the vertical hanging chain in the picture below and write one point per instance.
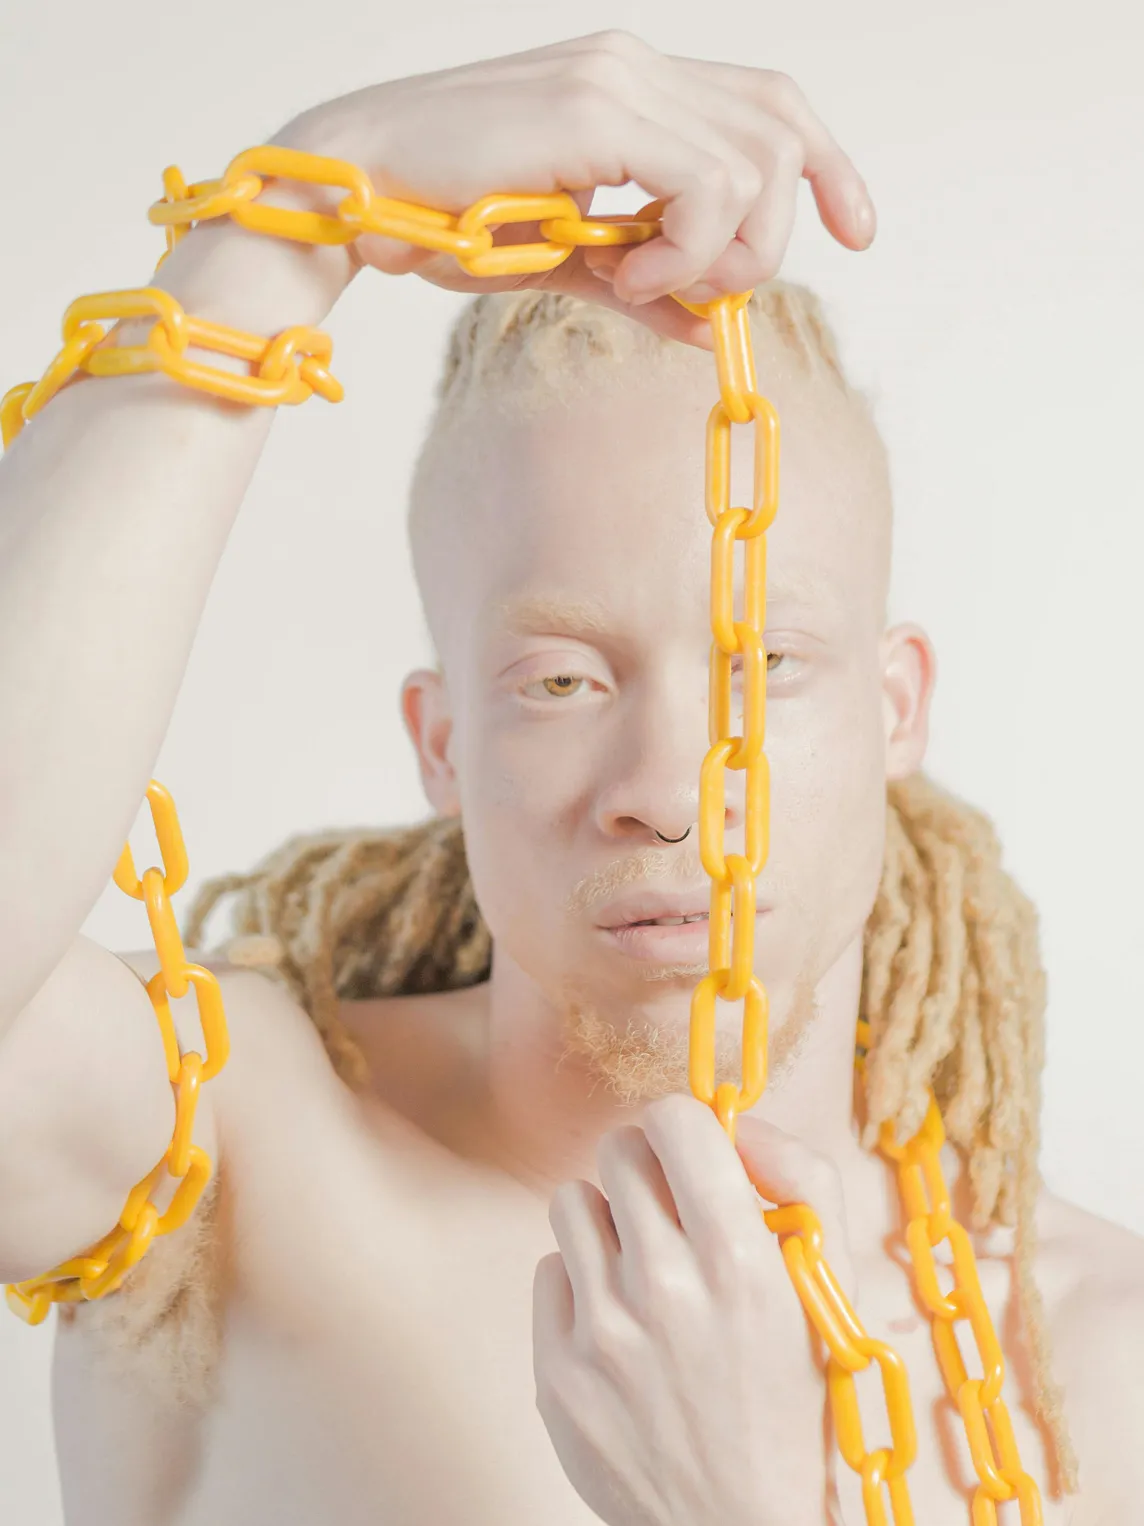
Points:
(731, 978)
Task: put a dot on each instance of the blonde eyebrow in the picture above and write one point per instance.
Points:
(543, 614)
(571, 617)
(799, 589)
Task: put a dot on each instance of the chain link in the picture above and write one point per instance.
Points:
(102, 1269)
(289, 369)
(925, 1196)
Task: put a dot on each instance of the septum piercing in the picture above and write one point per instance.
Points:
(662, 838)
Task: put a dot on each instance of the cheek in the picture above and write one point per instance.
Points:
(828, 803)
(520, 789)
(527, 777)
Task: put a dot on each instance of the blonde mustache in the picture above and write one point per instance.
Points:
(646, 864)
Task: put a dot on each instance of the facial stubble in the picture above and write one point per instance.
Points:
(638, 1061)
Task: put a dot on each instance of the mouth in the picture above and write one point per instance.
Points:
(664, 940)
(697, 916)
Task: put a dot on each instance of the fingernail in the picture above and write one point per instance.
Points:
(865, 217)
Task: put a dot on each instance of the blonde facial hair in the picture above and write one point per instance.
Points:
(638, 1061)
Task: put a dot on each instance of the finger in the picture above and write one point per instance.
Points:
(759, 248)
(756, 253)
(653, 1248)
(552, 1302)
(730, 96)
(760, 244)
(655, 95)
(582, 1223)
(716, 1204)
(783, 1169)
(741, 143)
(706, 193)
(843, 198)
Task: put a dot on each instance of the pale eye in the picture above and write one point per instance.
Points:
(773, 661)
(562, 684)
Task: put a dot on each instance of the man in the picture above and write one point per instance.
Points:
(368, 1313)
(388, 1244)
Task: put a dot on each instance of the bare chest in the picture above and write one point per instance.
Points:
(379, 1369)
(378, 1364)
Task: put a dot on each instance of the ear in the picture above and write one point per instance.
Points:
(429, 721)
(909, 672)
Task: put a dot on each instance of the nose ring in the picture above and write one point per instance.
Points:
(662, 838)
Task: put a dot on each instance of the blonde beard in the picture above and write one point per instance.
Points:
(638, 1064)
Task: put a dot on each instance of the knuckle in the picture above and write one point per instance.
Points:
(734, 1260)
(604, 1332)
(621, 43)
(663, 1301)
(602, 69)
(720, 178)
(782, 90)
(585, 104)
(747, 181)
(785, 147)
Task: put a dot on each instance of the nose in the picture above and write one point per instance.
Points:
(653, 782)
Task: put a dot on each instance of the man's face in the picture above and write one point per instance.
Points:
(569, 595)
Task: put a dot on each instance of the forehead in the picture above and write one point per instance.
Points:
(599, 507)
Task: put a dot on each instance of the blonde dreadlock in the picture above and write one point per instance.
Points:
(953, 986)
(354, 914)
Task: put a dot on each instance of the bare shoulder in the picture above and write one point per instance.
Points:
(1086, 1249)
(1096, 1260)
(269, 1033)
(1096, 1328)
(274, 1065)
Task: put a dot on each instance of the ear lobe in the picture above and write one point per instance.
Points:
(429, 721)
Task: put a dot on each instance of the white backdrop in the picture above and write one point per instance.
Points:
(999, 318)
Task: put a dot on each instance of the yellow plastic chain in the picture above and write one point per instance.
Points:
(291, 368)
(101, 1269)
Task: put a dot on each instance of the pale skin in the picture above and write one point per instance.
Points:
(487, 1290)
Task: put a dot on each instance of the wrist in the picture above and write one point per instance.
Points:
(225, 273)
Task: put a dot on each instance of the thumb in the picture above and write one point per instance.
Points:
(784, 1170)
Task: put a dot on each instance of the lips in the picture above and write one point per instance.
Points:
(658, 907)
(656, 928)
(699, 916)
(682, 943)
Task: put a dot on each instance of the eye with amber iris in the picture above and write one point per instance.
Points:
(773, 660)
(562, 684)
